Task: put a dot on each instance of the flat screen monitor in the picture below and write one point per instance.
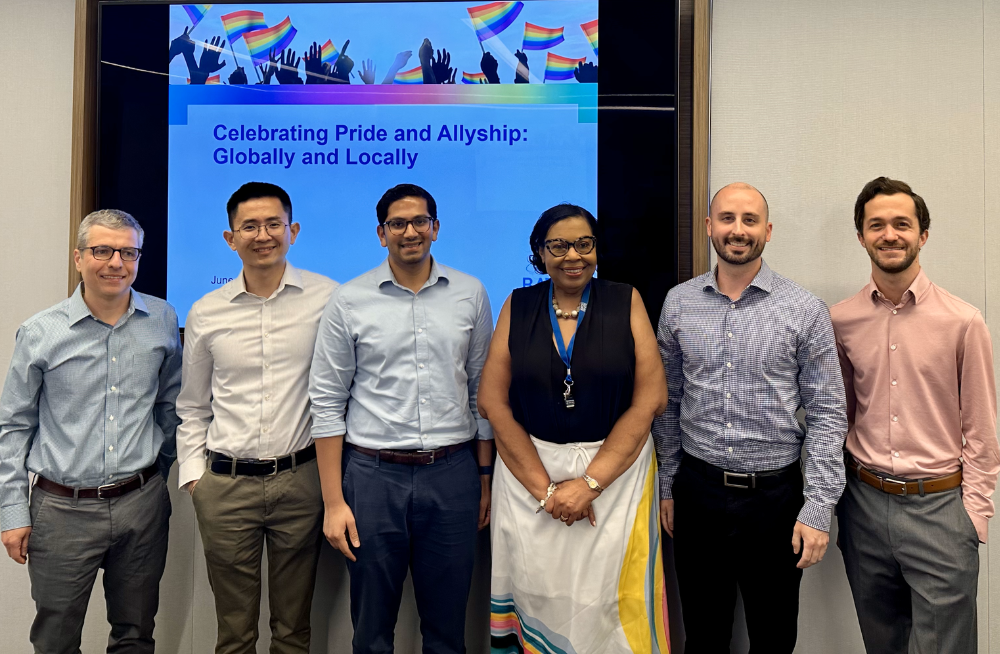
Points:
(493, 108)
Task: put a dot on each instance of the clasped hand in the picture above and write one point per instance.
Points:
(572, 501)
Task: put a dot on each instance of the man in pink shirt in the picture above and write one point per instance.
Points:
(922, 447)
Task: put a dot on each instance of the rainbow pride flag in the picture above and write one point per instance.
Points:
(239, 23)
(276, 38)
(196, 13)
(541, 38)
(412, 76)
(557, 68)
(489, 20)
(329, 53)
(214, 79)
(473, 78)
(590, 29)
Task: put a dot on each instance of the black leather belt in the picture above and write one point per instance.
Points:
(106, 492)
(410, 457)
(225, 465)
(745, 480)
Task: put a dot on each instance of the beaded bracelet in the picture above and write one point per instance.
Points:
(548, 493)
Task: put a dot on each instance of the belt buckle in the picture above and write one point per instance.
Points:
(273, 459)
(748, 476)
(901, 482)
(101, 488)
(431, 452)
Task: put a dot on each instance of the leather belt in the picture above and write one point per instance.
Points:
(745, 480)
(410, 457)
(105, 492)
(226, 465)
(904, 486)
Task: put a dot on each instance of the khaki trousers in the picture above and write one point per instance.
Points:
(236, 516)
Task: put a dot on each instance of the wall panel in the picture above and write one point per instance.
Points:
(991, 248)
(810, 100)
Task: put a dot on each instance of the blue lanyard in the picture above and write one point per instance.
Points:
(566, 353)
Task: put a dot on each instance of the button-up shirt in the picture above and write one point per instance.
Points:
(403, 366)
(246, 371)
(737, 372)
(919, 379)
(86, 403)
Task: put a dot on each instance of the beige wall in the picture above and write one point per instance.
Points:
(35, 105)
(810, 100)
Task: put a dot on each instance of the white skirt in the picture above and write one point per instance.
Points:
(579, 589)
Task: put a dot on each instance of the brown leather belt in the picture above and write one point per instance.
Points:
(105, 492)
(410, 457)
(903, 487)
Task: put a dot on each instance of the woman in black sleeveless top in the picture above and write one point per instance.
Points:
(571, 386)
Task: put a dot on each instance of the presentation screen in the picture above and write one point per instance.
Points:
(492, 108)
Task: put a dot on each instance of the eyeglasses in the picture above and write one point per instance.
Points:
(105, 252)
(420, 224)
(559, 247)
(273, 228)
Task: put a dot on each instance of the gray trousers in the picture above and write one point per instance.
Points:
(71, 539)
(236, 516)
(913, 566)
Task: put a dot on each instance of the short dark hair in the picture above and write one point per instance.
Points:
(400, 191)
(254, 190)
(545, 222)
(886, 186)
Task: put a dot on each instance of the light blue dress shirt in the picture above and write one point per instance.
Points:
(737, 372)
(404, 367)
(86, 403)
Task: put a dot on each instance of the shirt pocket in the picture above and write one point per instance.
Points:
(777, 354)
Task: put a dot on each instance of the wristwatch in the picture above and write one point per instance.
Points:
(592, 484)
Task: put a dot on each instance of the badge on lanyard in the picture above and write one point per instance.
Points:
(566, 353)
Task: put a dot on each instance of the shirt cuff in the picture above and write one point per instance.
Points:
(328, 429)
(191, 470)
(816, 515)
(666, 486)
(15, 516)
(981, 523)
(485, 432)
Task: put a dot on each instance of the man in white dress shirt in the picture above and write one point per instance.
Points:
(244, 447)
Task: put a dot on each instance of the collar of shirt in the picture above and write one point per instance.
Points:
(78, 309)
(384, 275)
(238, 287)
(764, 279)
(917, 290)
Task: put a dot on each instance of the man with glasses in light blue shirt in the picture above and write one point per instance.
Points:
(406, 472)
(88, 407)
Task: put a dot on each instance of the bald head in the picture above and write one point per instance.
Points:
(738, 187)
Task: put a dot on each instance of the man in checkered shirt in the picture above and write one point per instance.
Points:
(744, 348)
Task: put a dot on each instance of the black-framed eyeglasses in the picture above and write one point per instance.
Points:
(559, 247)
(273, 228)
(420, 224)
(105, 252)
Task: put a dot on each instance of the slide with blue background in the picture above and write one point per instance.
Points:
(492, 108)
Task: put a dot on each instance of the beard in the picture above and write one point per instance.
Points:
(910, 255)
(754, 250)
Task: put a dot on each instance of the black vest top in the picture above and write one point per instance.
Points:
(603, 364)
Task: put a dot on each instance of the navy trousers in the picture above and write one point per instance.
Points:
(421, 518)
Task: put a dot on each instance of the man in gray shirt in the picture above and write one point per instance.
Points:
(406, 474)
